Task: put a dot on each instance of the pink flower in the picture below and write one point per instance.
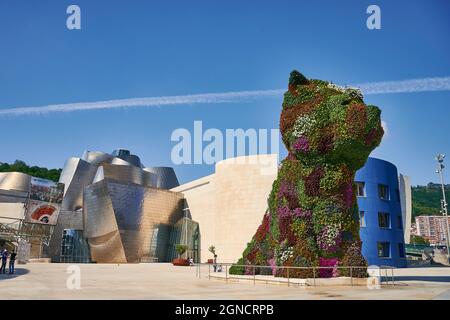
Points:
(301, 145)
(328, 272)
(348, 195)
(273, 265)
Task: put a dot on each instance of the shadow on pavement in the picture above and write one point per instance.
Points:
(422, 278)
(17, 273)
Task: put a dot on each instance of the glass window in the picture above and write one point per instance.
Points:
(74, 248)
(383, 249)
(384, 220)
(397, 193)
(401, 250)
(362, 219)
(399, 222)
(383, 192)
(360, 191)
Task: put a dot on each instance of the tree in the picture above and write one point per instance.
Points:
(212, 249)
(180, 249)
(419, 240)
(35, 171)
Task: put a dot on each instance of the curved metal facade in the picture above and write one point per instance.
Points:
(377, 173)
(126, 174)
(76, 175)
(123, 222)
(109, 197)
(127, 157)
(15, 181)
(96, 157)
(166, 177)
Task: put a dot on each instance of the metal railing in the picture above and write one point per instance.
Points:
(287, 274)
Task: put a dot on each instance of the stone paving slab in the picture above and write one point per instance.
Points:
(164, 281)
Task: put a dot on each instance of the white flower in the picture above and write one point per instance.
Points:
(353, 92)
(303, 126)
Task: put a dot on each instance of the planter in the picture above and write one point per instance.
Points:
(180, 262)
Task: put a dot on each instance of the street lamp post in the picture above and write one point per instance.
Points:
(444, 205)
(185, 213)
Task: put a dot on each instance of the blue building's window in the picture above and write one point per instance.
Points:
(401, 250)
(384, 220)
(362, 219)
(360, 190)
(383, 192)
(399, 222)
(397, 193)
(384, 249)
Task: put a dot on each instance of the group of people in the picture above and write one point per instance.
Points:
(12, 260)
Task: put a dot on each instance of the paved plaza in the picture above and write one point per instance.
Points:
(164, 281)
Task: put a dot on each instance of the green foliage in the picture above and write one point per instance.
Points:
(38, 172)
(212, 249)
(419, 240)
(302, 96)
(426, 200)
(180, 249)
(332, 177)
(238, 269)
(296, 79)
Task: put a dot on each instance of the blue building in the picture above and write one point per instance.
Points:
(380, 213)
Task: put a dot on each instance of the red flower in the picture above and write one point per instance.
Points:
(312, 182)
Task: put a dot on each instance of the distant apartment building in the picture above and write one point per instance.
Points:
(432, 228)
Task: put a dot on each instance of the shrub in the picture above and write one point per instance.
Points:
(180, 249)
(238, 269)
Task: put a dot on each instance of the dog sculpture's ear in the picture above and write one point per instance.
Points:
(297, 79)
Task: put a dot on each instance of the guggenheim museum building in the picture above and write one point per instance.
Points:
(116, 210)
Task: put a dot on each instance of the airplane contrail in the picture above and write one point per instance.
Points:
(410, 85)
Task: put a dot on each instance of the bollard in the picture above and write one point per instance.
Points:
(393, 284)
(226, 273)
(288, 275)
(314, 276)
(351, 276)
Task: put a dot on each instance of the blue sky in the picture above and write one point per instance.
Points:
(163, 48)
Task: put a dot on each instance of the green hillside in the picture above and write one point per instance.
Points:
(39, 172)
(426, 200)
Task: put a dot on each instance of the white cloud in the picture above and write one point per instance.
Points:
(385, 128)
(411, 85)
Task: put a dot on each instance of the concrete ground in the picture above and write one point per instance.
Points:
(164, 281)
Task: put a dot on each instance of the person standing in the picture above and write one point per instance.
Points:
(12, 261)
(215, 263)
(4, 259)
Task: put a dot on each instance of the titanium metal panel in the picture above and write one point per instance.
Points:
(76, 175)
(166, 177)
(15, 181)
(100, 226)
(121, 221)
(96, 158)
(126, 155)
(125, 174)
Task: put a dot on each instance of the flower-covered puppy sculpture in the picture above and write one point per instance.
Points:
(313, 217)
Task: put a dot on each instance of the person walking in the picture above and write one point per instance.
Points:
(4, 259)
(12, 261)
